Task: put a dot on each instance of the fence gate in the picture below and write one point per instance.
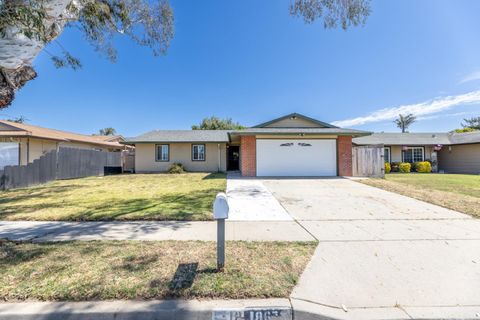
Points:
(368, 161)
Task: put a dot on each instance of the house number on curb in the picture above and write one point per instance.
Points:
(251, 314)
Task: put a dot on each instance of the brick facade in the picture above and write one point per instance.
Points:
(248, 156)
(344, 155)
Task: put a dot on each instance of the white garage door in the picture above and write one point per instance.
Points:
(296, 157)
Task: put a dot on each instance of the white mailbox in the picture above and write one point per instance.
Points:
(220, 207)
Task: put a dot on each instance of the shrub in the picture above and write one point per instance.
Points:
(404, 167)
(176, 168)
(388, 167)
(414, 166)
(423, 167)
(394, 166)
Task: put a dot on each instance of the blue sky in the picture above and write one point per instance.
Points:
(251, 61)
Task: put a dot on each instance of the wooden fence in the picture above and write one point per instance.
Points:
(66, 163)
(368, 161)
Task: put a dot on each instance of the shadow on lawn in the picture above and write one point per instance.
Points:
(178, 206)
(183, 278)
(11, 196)
(11, 253)
(215, 176)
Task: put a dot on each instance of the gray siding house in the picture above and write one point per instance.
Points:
(449, 152)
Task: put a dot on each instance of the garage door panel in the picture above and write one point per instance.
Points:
(316, 157)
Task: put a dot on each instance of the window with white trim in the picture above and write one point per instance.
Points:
(386, 154)
(198, 152)
(162, 152)
(413, 154)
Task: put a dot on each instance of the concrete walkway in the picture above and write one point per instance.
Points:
(250, 200)
(382, 251)
(154, 230)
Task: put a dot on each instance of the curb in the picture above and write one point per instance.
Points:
(264, 309)
(259, 309)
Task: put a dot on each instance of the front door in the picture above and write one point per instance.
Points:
(233, 158)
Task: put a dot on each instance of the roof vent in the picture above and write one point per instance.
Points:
(434, 135)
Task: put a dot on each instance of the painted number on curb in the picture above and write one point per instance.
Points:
(251, 314)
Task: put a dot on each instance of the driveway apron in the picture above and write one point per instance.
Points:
(380, 249)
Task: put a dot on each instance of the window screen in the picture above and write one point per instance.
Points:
(413, 155)
(198, 152)
(9, 154)
(163, 152)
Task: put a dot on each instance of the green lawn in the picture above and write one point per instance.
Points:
(460, 192)
(101, 270)
(118, 197)
(457, 183)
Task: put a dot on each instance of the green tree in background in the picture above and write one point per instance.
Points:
(215, 123)
(107, 131)
(21, 119)
(472, 124)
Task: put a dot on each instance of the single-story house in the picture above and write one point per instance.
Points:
(21, 143)
(448, 152)
(292, 145)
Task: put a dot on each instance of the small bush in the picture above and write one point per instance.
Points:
(394, 166)
(176, 168)
(388, 167)
(405, 167)
(423, 167)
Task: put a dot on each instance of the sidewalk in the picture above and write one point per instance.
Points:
(152, 230)
(264, 309)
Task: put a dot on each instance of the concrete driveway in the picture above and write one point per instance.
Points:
(380, 249)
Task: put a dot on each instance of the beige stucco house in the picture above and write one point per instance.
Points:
(20, 143)
(292, 145)
(448, 152)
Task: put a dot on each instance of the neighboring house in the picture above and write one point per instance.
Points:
(20, 143)
(110, 138)
(449, 152)
(293, 145)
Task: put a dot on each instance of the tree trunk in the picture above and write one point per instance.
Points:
(17, 52)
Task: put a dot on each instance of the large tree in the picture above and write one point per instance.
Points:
(27, 26)
(405, 121)
(109, 131)
(215, 123)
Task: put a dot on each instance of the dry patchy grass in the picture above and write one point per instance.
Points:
(76, 271)
(121, 197)
(452, 191)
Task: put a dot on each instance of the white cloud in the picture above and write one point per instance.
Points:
(418, 109)
(471, 77)
(436, 116)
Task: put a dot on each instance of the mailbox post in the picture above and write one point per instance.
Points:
(220, 213)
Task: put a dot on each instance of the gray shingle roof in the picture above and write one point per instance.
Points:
(340, 131)
(223, 135)
(465, 137)
(181, 136)
(418, 138)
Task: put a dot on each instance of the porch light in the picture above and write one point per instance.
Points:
(404, 148)
(437, 147)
